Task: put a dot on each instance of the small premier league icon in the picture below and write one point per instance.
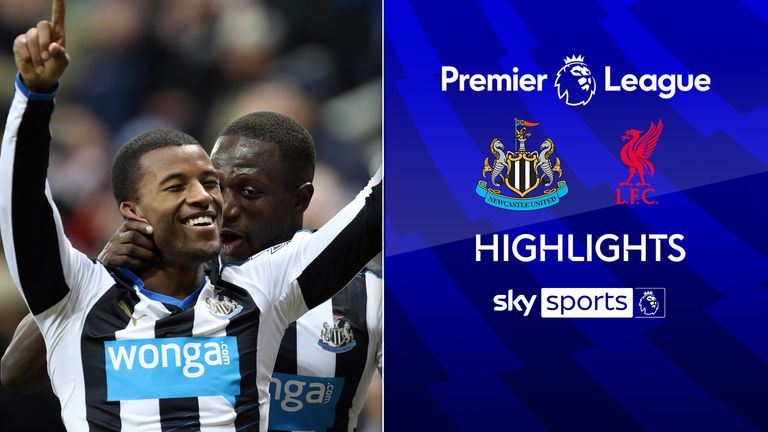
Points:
(635, 155)
(522, 171)
(652, 303)
(574, 82)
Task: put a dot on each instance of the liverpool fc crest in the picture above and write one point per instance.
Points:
(635, 154)
(522, 172)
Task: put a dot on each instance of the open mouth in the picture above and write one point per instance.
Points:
(230, 240)
(200, 221)
(204, 221)
(229, 236)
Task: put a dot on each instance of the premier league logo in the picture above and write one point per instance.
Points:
(522, 172)
(574, 82)
(652, 303)
(649, 304)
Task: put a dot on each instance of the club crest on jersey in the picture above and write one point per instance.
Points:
(337, 338)
(522, 172)
(223, 307)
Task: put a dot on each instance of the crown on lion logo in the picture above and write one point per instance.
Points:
(647, 293)
(574, 59)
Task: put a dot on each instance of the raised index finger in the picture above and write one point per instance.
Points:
(59, 10)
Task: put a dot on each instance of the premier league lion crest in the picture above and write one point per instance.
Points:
(523, 173)
(574, 82)
(652, 303)
(649, 304)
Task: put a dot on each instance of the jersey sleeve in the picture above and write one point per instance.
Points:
(42, 262)
(312, 267)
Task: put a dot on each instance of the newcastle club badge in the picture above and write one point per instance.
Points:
(338, 338)
(522, 172)
(223, 307)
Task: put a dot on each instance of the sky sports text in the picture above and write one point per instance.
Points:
(587, 302)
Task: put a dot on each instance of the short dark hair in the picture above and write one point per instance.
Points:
(126, 172)
(295, 147)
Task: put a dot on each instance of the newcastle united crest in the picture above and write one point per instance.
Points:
(223, 307)
(532, 177)
(338, 338)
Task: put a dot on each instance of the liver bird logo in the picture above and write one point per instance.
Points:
(638, 150)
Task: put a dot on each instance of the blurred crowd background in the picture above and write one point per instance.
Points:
(195, 65)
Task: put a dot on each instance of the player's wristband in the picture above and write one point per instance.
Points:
(34, 96)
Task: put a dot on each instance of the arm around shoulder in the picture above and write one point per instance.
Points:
(334, 254)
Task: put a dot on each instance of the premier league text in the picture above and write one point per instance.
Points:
(665, 85)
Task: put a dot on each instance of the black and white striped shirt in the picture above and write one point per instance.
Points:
(122, 357)
(327, 359)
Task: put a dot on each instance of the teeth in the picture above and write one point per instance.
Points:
(202, 220)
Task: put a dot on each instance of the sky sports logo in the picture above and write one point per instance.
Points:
(588, 303)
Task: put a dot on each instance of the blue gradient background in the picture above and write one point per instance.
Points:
(453, 363)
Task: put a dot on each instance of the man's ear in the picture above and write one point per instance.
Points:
(131, 210)
(303, 196)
